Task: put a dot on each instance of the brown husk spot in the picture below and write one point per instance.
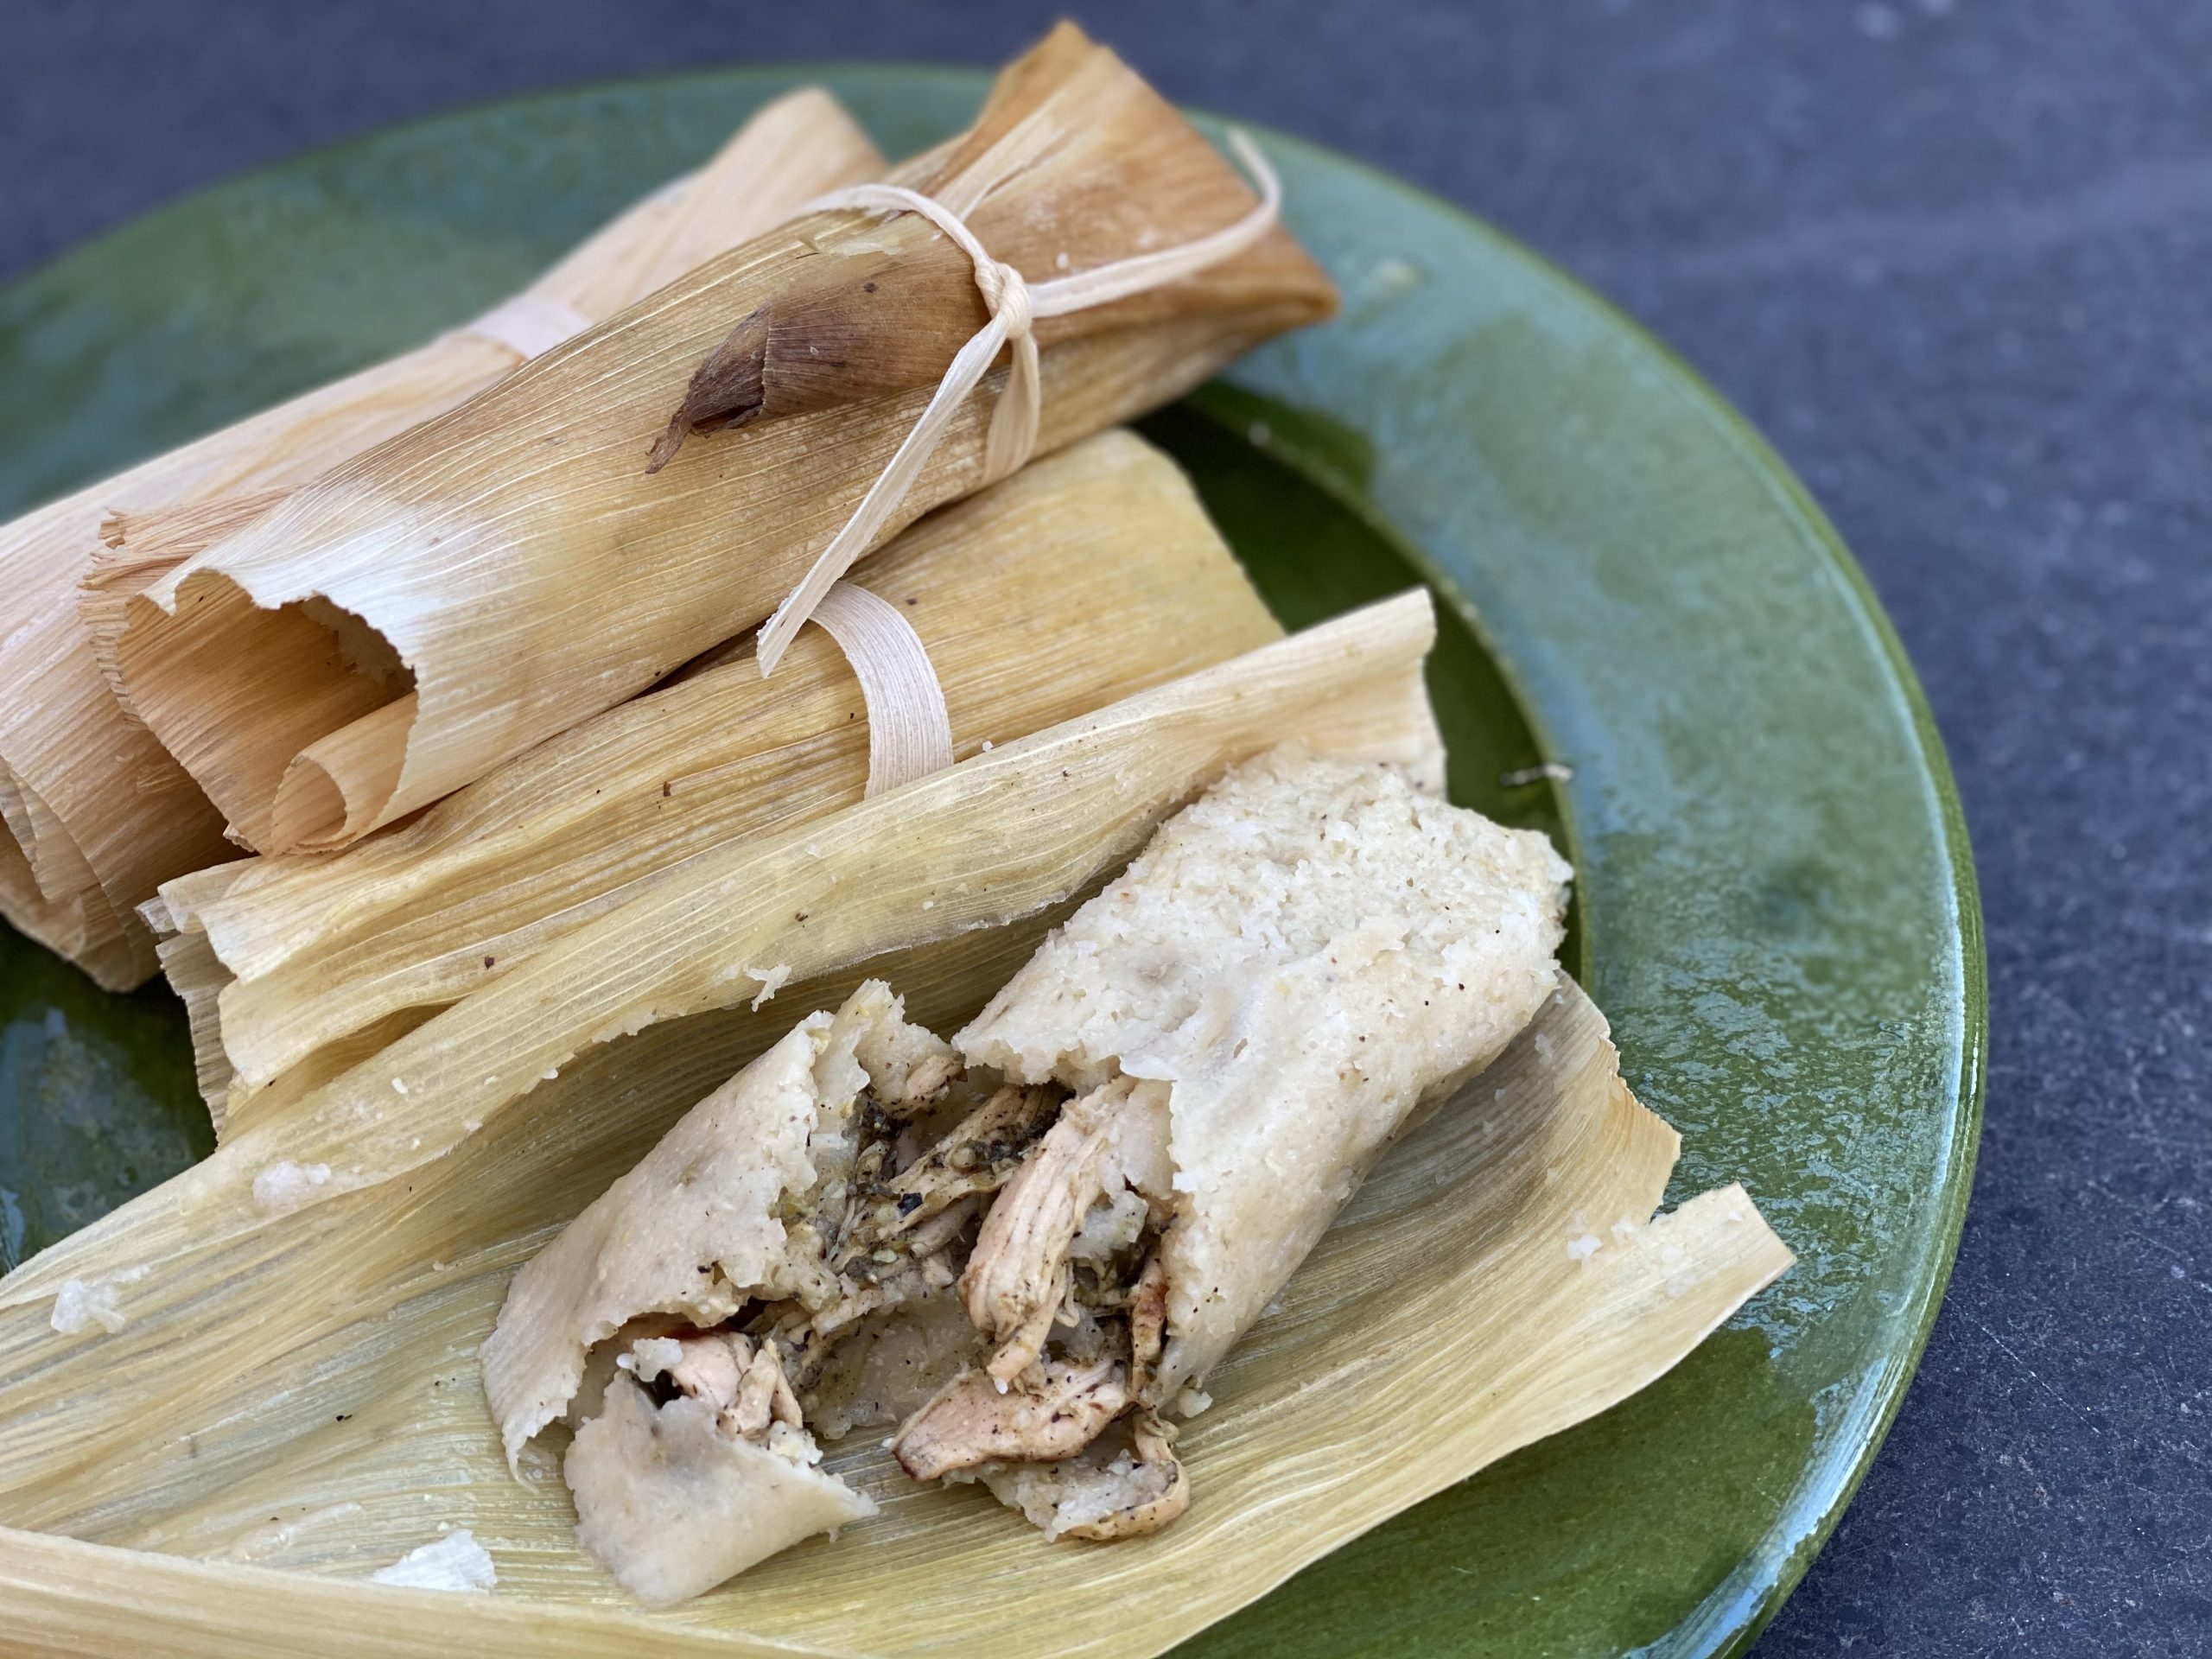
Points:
(866, 321)
(529, 504)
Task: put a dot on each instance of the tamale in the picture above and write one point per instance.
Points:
(309, 1357)
(372, 1181)
(331, 668)
(1085, 577)
(1107, 1176)
(100, 813)
(337, 1435)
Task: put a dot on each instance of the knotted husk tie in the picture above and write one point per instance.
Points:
(1013, 304)
(909, 727)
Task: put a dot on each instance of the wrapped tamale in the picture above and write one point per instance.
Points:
(391, 632)
(1081, 579)
(1110, 1172)
(97, 814)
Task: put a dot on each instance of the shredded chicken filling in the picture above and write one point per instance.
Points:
(743, 1380)
(1036, 1214)
(1065, 1281)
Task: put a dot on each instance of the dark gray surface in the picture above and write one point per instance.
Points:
(1955, 257)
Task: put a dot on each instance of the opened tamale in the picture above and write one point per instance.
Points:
(97, 814)
(394, 631)
(1081, 579)
(1025, 1251)
(950, 861)
(300, 1315)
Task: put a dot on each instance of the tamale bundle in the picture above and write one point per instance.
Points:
(301, 1314)
(392, 632)
(97, 814)
(1091, 574)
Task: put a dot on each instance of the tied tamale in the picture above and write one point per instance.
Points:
(1025, 1251)
(1086, 577)
(330, 669)
(97, 814)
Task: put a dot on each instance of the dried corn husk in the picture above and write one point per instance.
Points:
(484, 1124)
(396, 630)
(99, 814)
(1451, 1316)
(1086, 577)
(294, 1380)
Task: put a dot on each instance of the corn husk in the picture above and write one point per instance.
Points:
(1443, 1322)
(365, 1165)
(1086, 577)
(394, 631)
(294, 1380)
(99, 814)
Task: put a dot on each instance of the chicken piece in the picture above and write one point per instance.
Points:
(940, 1229)
(1016, 1279)
(929, 1079)
(1139, 1488)
(743, 1381)
(705, 1366)
(765, 1396)
(973, 1158)
(1148, 1324)
(1145, 1496)
(1053, 1411)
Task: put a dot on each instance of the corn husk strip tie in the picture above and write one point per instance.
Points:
(1013, 304)
(909, 728)
(527, 324)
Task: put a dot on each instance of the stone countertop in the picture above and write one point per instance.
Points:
(1955, 257)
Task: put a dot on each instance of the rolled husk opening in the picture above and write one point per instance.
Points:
(1084, 578)
(531, 503)
(115, 816)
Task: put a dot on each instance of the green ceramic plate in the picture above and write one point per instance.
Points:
(1775, 901)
